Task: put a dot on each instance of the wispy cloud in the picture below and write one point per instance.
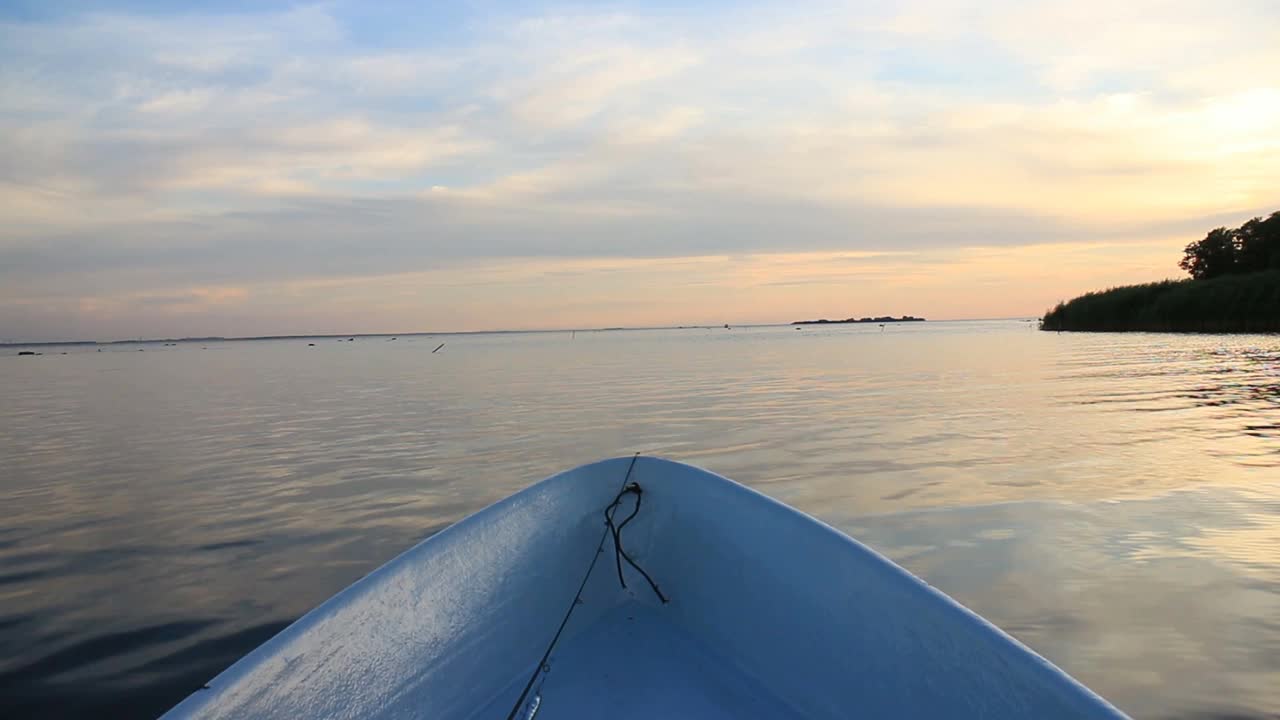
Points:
(147, 155)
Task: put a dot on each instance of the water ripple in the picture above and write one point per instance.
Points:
(1109, 498)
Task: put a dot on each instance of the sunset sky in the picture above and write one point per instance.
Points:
(262, 168)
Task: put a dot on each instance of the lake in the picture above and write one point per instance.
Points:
(1113, 501)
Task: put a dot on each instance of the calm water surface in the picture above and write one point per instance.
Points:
(1111, 500)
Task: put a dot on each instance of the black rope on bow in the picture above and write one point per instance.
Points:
(618, 553)
(542, 665)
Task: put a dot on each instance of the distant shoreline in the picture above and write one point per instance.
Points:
(357, 336)
(846, 321)
(1234, 288)
(8, 344)
(1221, 305)
(253, 338)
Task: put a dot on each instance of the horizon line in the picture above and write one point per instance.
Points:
(429, 333)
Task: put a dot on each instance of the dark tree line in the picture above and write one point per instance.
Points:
(1228, 303)
(1234, 287)
(1252, 247)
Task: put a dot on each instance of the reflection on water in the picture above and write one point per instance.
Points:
(1111, 500)
(1169, 605)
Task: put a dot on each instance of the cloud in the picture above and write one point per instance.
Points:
(157, 153)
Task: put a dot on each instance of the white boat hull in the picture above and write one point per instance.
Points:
(770, 614)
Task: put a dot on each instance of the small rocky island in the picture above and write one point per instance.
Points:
(882, 319)
(1234, 288)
